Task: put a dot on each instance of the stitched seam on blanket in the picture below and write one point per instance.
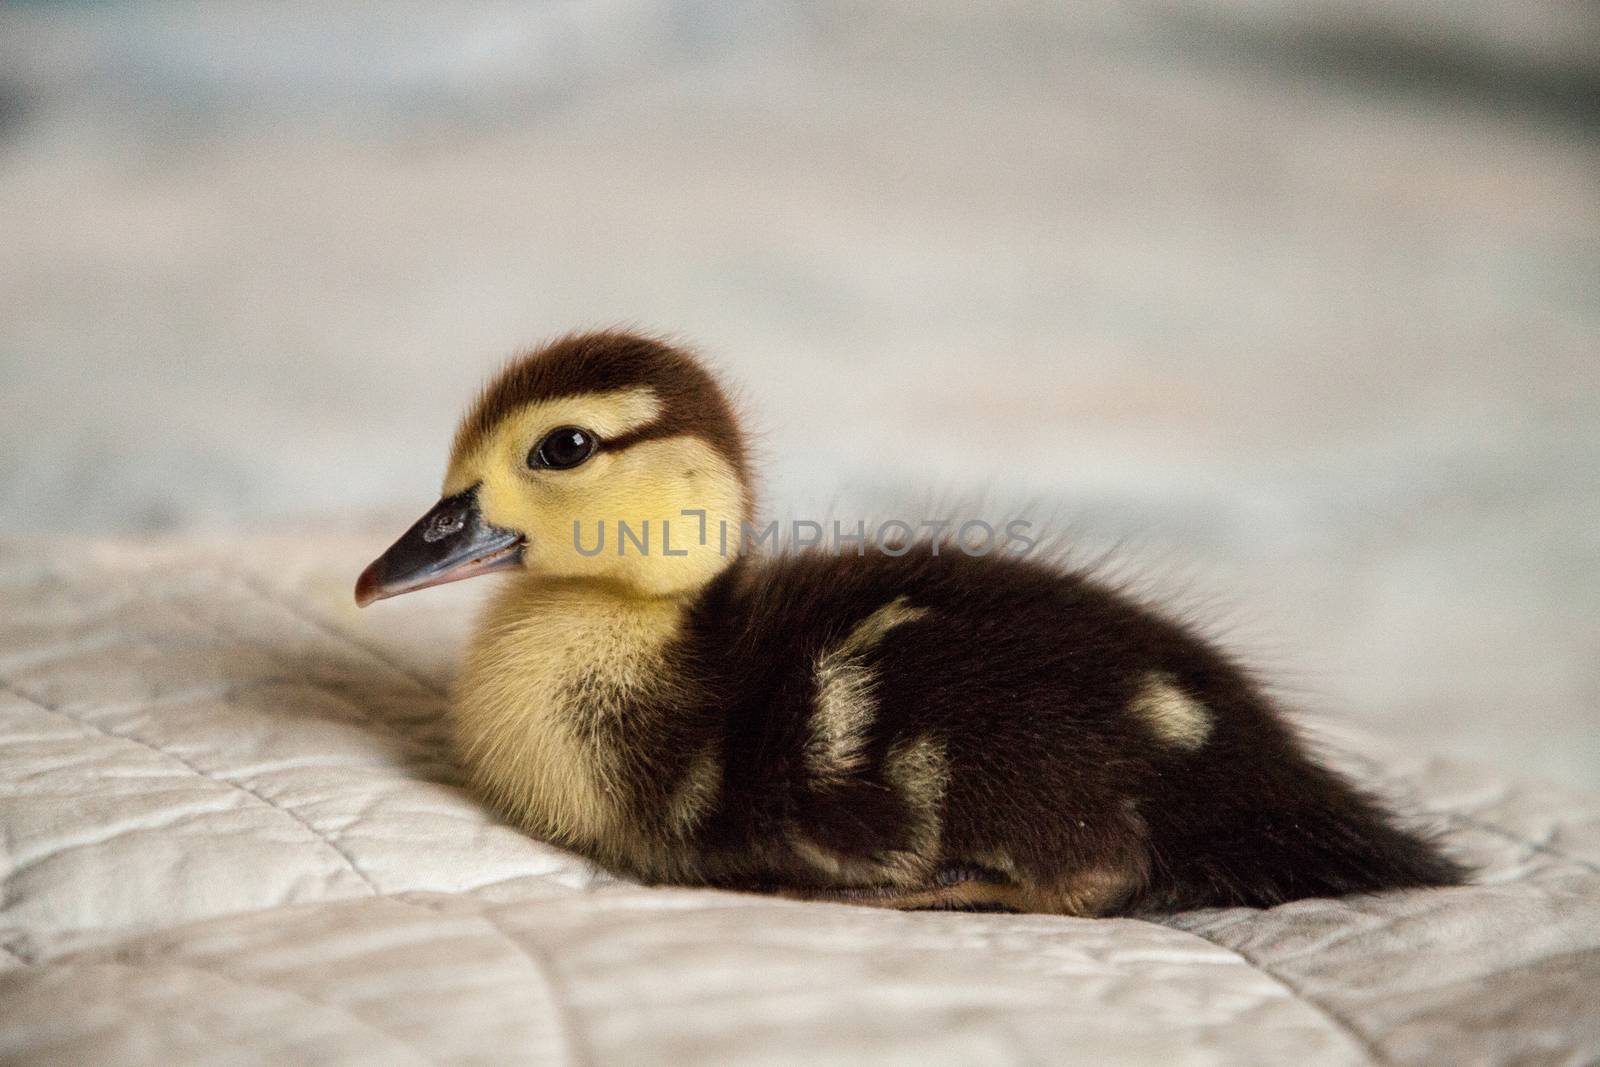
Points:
(337, 848)
(572, 1035)
(164, 821)
(112, 939)
(362, 715)
(1499, 831)
(1332, 1017)
(265, 593)
(257, 984)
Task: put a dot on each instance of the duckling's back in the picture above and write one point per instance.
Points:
(933, 729)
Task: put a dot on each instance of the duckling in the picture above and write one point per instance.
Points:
(896, 726)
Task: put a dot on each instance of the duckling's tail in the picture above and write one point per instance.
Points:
(1309, 833)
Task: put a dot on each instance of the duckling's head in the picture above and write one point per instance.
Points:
(608, 457)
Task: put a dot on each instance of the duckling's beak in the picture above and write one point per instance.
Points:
(449, 543)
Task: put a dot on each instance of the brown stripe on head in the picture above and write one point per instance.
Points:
(609, 361)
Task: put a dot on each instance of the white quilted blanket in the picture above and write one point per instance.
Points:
(231, 835)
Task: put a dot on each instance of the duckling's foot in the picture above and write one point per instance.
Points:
(962, 888)
(1088, 892)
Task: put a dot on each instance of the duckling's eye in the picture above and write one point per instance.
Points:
(563, 448)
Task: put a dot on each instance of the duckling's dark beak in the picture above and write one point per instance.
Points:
(449, 543)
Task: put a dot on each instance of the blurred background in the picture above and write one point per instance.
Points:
(1298, 300)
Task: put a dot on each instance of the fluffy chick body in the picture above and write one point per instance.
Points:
(917, 729)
